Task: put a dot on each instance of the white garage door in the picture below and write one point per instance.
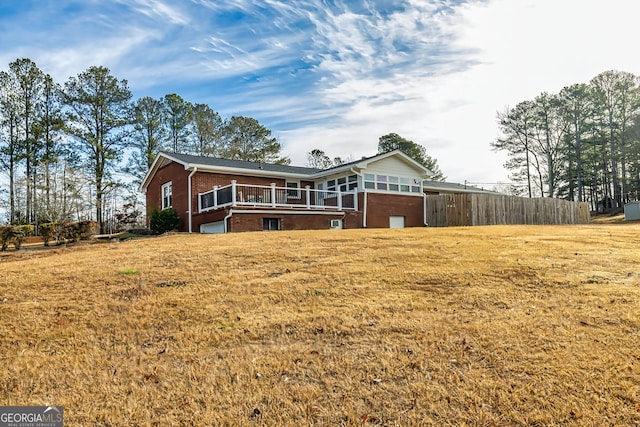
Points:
(396, 222)
(212, 227)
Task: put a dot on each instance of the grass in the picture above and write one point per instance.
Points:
(502, 325)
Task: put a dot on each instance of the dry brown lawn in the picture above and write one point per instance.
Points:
(479, 326)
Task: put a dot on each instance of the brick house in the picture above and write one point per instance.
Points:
(214, 195)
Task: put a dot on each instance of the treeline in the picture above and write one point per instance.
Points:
(582, 143)
(76, 151)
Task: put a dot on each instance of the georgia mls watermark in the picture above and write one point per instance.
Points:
(31, 416)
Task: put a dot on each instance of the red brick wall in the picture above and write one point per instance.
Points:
(175, 173)
(253, 222)
(381, 206)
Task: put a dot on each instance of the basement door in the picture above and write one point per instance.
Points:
(212, 227)
(396, 222)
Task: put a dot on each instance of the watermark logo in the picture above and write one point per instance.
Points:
(31, 416)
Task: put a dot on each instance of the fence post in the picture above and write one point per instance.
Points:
(233, 192)
(273, 194)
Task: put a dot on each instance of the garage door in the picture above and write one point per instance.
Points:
(396, 222)
(212, 227)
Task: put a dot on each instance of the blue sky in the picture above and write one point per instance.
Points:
(336, 75)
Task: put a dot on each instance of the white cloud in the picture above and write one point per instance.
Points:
(514, 50)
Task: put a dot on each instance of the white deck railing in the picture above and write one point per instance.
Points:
(236, 194)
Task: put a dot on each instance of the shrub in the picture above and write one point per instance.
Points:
(48, 231)
(67, 231)
(6, 233)
(86, 229)
(15, 234)
(163, 221)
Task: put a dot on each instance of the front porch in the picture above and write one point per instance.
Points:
(271, 196)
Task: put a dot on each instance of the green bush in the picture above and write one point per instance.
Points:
(67, 231)
(15, 234)
(163, 221)
(48, 232)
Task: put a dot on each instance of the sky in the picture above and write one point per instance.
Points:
(336, 75)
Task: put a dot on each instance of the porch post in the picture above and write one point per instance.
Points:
(233, 192)
(308, 193)
(355, 199)
(273, 194)
(215, 196)
(339, 199)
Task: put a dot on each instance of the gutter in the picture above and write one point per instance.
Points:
(364, 210)
(364, 190)
(424, 210)
(193, 172)
(224, 221)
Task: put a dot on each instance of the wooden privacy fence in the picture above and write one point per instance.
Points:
(489, 209)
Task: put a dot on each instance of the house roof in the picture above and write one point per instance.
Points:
(214, 164)
(202, 163)
(364, 162)
(239, 164)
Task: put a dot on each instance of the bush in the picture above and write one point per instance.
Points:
(67, 231)
(47, 231)
(15, 234)
(163, 221)
(86, 229)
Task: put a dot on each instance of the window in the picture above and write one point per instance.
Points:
(352, 182)
(392, 183)
(270, 224)
(342, 183)
(293, 190)
(167, 193)
(381, 182)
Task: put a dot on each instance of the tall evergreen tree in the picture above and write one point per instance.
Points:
(417, 152)
(10, 146)
(99, 111)
(177, 118)
(207, 130)
(51, 123)
(576, 108)
(616, 93)
(149, 132)
(29, 80)
(517, 128)
(244, 138)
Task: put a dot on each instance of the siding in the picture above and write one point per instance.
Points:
(392, 166)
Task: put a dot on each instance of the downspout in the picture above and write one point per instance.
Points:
(364, 207)
(224, 221)
(193, 172)
(424, 209)
(364, 210)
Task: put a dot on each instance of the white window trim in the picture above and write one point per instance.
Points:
(166, 191)
(414, 184)
(290, 190)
